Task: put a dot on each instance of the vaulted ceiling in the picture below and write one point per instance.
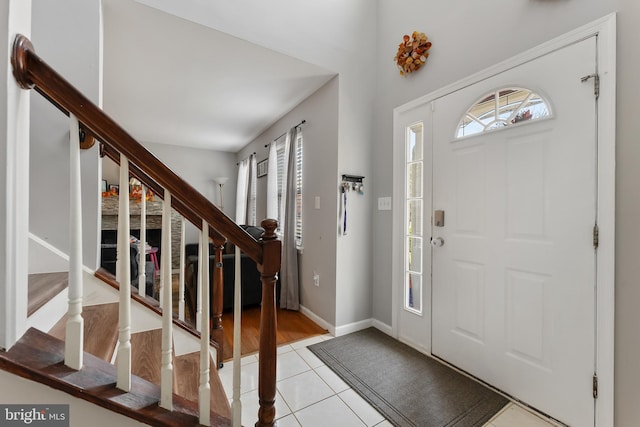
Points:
(173, 81)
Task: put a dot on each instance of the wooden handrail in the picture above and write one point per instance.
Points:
(31, 72)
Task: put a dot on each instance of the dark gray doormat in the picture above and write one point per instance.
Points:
(404, 385)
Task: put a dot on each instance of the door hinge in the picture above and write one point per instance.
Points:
(596, 83)
(595, 386)
(596, 236)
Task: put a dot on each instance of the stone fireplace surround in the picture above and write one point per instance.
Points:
(154, 225)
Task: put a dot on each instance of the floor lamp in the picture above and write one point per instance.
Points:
(221, 180)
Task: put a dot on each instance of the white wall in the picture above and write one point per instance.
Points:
(14, 185)
(320, 133)
(354, 250)
(17, 390)
(72, 47)
(627, 342)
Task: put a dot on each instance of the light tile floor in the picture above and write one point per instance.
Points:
(309, 394)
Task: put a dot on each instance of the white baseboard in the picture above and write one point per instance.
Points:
(318, 320)
(353, 327)
(363, 324)
(383, 327)
(44, 257)
(346, 329)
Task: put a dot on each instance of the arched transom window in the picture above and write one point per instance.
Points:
(503, 108)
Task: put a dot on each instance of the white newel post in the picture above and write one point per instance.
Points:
(73, 349)
(181, 271)
(204, 395)
(123, 360)
(166, 376)
(142, 248)
(236, 406)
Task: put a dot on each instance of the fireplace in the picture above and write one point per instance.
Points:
(153, 227)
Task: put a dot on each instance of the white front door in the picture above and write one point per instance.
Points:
(514, 281)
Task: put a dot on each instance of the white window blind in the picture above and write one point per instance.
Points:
(281, 150)
(299, 190)
(253, 191)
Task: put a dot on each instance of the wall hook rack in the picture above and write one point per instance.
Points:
(352, 182)
(349, 182)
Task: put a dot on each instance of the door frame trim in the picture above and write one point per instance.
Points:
(605, 29)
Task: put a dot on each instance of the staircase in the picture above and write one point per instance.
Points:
(152, 381)
(40, 356)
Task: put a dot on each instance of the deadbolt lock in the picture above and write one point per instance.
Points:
(438, 218)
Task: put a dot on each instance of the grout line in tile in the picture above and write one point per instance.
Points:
(285, 403)
(351, 409)
(314, 403)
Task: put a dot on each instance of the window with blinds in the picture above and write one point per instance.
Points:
(253, 192)
(282, 171)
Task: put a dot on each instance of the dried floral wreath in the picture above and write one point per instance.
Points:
(412, 53)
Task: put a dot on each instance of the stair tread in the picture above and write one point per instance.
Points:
(40, 357)
(43, 287)
(187, 369)
(146, 362)
(100, 329)
(148, 302)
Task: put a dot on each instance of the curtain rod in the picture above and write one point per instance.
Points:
(252, 154)
(298, 125)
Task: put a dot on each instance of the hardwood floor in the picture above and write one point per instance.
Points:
(292, 326)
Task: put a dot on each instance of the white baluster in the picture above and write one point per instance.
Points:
(204, 391)
(123, 360)
(200, 284)
(74, 341)
(166, 378)
(236, 406)
(142, 248)
(181, 272)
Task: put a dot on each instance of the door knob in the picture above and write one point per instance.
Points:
(436, 242)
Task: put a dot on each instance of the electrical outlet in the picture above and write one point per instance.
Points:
(316, 279)
(384, 203)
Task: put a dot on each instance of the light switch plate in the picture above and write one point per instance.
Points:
(384, 203)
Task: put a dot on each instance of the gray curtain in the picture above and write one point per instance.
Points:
(289, 291)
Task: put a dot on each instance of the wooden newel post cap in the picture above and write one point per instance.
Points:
(270, 226)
